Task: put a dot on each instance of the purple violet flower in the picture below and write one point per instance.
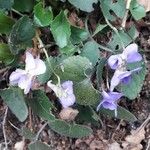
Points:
(122, 76)
(109, 101)
(64, 92)
(24, 78)
(129, 55)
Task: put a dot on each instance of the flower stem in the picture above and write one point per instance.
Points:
(116, 31)
(47, 57)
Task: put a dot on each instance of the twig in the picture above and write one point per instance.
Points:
(47, 57)
(41, 129)
(30, 119)
(148, 145)
(3, 70)
(4, 132)
(17, 12)
(126, 13)
(143, 124)
(118, 127)
(14, 126)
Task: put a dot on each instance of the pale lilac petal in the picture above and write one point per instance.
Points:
(70, 99)
(115, 80)
(30, 62)
(109, 100)
(64, 93)
(39, 68)
(67, 101)
(68, 86)
(114, 96)
(105, 95)
(125, 77)
(25, 83)
(107, 105)
(126, 80)
(134, 57)
(15, 76)
(131, 53)
(114, 61)
(132, 48)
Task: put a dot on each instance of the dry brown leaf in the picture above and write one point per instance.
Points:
(133, 141)
(136, 136)
(19, 145)
(145, 3)
(114, 146)
(68, 114)
(98, 145)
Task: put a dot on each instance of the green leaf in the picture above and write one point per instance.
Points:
(38, 146)
(41, 105)
(43, 78)
(27, 133)
(137, 10)
(24, 5)
(60, 28)
(122, 113)
(88, 115)
(127, 38)
(69, 50)
(6, 4)
(42, 16)
(78, 35)
(91, 51)
(6, 23)
(131, 91)
(99, 70)
(55, 61)
(99, 28)
(117, 7)
(5, 54)
(70, 130)
(21, 35)
(84, 5)
(14, 98)
(85, 93)
(73, 68)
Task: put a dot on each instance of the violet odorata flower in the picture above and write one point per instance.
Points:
(64, 92)
(122, 77)
(109, 100)
(24, 78)
(119, 64)
(129, 55)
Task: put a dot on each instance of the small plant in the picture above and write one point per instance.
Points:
(84, 74)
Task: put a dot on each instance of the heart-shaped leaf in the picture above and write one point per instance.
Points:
(21, 35)
(84, 5)
(6, 23)
(14, 98)
(41, 105)
(122, 113)
(5, 54)
(70, 130)
(132, 89)
(60, 28)
(91, 51)
(73, 68)
(42, 16)
(85, 93)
